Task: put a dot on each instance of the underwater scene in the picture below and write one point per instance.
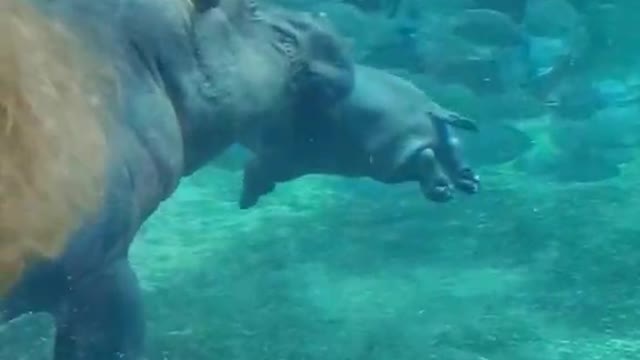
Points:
(540, 262)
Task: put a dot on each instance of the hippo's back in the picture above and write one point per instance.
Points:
(144, 159)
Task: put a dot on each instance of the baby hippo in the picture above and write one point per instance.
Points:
(385, 129)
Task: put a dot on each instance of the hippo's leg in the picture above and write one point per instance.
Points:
(39, 291)
(102, 318)
(256, 182)
(261, 174)
(448, 152)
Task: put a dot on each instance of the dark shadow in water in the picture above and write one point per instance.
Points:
(495, 144)
(586, 170)
(514, 8)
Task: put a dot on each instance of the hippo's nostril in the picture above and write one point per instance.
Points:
(204, 5)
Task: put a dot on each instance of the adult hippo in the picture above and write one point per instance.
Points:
(195, 77)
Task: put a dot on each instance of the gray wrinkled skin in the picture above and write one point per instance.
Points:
(385, 129)
(193, 80)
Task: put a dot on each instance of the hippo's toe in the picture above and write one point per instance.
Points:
(437, 191)
(433, 182)
(467, 181)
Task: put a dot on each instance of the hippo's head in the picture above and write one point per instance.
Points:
(288, 54)
(305, 107)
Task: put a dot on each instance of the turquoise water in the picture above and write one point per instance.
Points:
(542, 264)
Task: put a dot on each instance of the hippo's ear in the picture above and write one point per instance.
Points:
(321, 67)
(330, 69)
(441, 115)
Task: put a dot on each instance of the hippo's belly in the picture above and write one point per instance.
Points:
(99, 241)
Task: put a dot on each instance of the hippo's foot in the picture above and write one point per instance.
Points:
(459, 176)
(432, 180)
(467, 181)
(438, 178)
(102, 318)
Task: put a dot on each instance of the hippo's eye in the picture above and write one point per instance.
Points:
(288, 49)
(204, 5)
(286, 42)
(252, 6)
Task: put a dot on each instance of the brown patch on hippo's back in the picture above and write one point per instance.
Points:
(52, 145)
